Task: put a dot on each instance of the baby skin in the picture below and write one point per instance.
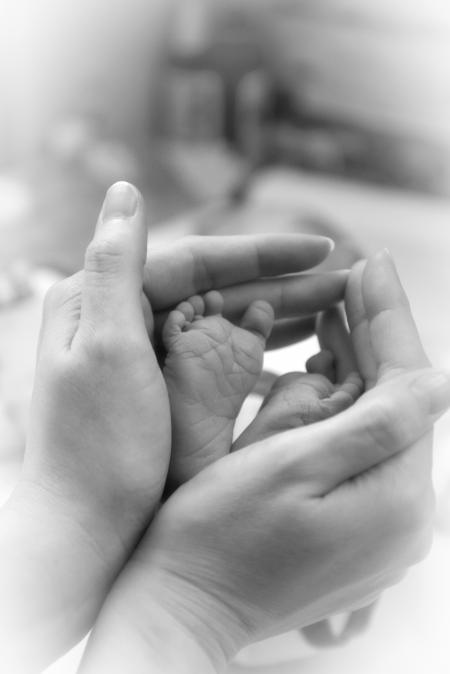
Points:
(212, 366)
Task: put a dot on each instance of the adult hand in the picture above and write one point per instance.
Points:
(290, 530)
(98, 448)
(99, 440)
(244, 269)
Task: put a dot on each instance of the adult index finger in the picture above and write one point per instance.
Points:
(197, 264)
(290, 297)
(294, 299)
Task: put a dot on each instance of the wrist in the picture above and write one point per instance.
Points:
(54, 577)
(157, 621)
(132, 636)
(66, 523)
(193, 598)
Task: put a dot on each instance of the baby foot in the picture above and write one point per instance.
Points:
(299, 399)
(211, 367)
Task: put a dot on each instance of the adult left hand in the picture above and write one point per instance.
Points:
(97, 451)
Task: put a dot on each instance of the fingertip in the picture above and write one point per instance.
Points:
(381, 285)
(122, 200)
(384, 255)
(122, 220)
(432, 390)
(357, 271)
(329, 243)
(322, 363)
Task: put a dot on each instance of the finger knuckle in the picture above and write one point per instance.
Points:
(102, 255)
(381, 429)
(54, 295)
(61, 293)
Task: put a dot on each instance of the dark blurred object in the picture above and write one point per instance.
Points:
(210, 49)
(251, 77)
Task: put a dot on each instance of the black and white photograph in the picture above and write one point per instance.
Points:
(224, 337)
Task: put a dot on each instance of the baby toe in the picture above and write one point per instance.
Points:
(198, 305)
(259, 319)
(187, 310)
(345, 396)
(174, 325)
(322, 363)
(213, 303)
(353, 386)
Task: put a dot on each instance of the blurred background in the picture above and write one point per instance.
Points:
(235, 116)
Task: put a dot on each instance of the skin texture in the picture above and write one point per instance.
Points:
(330, 385)
(62, 533)
(210, 368)
(212, 365)
(245, 269)
(99, 441)
(207, 571)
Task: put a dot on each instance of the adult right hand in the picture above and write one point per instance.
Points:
(308, 523)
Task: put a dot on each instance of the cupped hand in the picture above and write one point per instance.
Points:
(100, 421)
(99, 440)
(311, 522)
(98, 447)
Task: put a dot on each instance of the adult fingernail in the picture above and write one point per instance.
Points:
(330, 242)
(360, 265)
(433, 388)
(121, 201)
(385, 256)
